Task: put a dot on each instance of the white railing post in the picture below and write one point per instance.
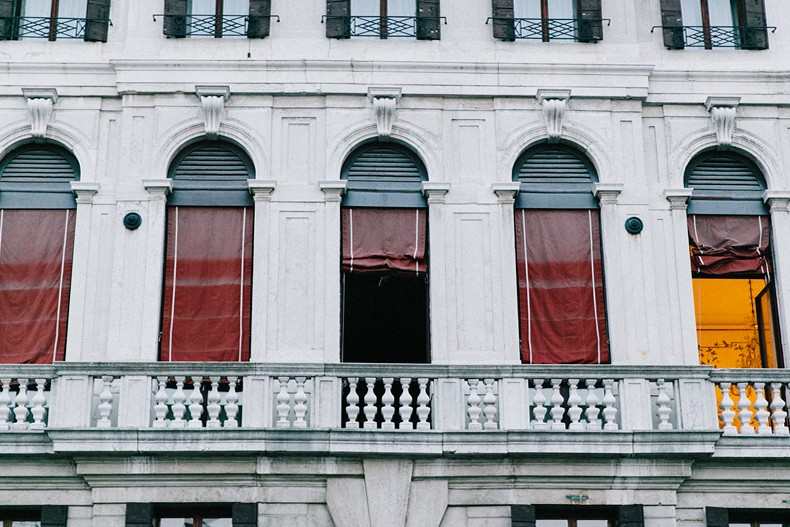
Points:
(135, 401)
(636, 407)
(70, 401)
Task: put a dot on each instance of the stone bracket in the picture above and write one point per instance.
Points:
(40, 103)
(85, 191)
(333, 190)
(678, 197)
(722, 114)
(212, 100)
(506, 192)
(261, 190)
(607, 193)
(554, 104)
(435, 191)
(385, 103)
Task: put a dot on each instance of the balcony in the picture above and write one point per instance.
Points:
(45, 27)
(708, 37)
(383, 26)
(341, 408)
(549, 29)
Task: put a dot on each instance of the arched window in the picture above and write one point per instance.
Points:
(37, 218)
(208, 265)
(558, 258)
(729, 237)
(384, 256)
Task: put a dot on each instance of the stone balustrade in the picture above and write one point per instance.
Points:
(408, 398)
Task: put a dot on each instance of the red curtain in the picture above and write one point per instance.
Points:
(560, 287)
(208, 276)
(36, 249)
(376, 240)
(729, 245)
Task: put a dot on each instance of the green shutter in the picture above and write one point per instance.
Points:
(522, 516)
(259, 23)
(139, 515)
(754, 34)
(590, 24)
(502, 14)
(245, 515)
(716, 517)
(7, 22)
(338, 23)
(672, 20)
(175, 18)
(428, 22)
(630, 516)
(54, 515)
(98, 20)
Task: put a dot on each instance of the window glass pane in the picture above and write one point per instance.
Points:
(236, 7)
(551, 523)
(202, 7)
(401, 8)
(740, 525)
(36, 8)
(592, 523)
(217, 522)
(72, 8)
(692, 12)
(175, 522)
(561, 9)
(720, 12)
(365, 7)
(526, 8)
(23, 524)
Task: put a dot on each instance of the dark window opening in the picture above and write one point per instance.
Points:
(55, 19)
(712, 24)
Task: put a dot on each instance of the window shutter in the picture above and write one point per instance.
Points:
(384, 176)
(259, 21)
(6, 20)
(338, 23)
(754, 34)
(175, 18)
(98, 20)
(672, 21)
(717, 517)
(54, 515)
(139, 515)
(428, 23)
(725, 183)
(211, 173)
(630, 516)
(590, 23)
(245, 515)
(555, 177)
(502, 14)
(522, 515)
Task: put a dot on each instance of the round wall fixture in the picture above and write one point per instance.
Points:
(634, 225)
(132, 221)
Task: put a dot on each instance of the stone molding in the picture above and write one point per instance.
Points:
(777, 200)
(85, 191)
(678, 197)
(607, 193)
(434, 191)
(506, 192)
(158, 188)
(261, 190)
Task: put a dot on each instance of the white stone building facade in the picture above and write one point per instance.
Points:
(469, 105)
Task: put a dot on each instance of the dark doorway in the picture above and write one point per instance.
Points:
(385, 318)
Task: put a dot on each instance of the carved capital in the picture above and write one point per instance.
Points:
(777, 200)
(40, 103)
(261, 190)
(435, 192)
(158, 188)
(506, 192)
(678, 197)
(84, 191)
(212, 100)
(333, 190)
(607, 193)
(722, 114)
(554, 104)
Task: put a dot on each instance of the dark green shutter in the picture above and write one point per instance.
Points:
(502, 14)
(630, 516)
(139, 515)
(245, 515)
(54, 515)
(98, 20)
(428, 21)
(38, 177)
(754, 34)
(175, 25)
(555, 177)
(717, 517)
(672, 21)
(590, 24)
(211, 173)
(7, 22)
(338, 23)
(522, 516)
(384, 176)
(259, 22)
(725, 183)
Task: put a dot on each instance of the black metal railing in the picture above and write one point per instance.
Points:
(708, 37)
(215, 26)
(45, 27)
(383, 26)
(547, 29)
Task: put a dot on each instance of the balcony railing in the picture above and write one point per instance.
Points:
(547, 29)
(383, 26)
(45, 27)
(709, 37)
(394, 397)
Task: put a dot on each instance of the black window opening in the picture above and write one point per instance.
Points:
(87, 20)
(383, 19)
(731, 262)
(191, 515)
(47, 515)
(217, 18)
(576, 516)
(384, 269)
(722, 517)
(548, 20)
(709, 24)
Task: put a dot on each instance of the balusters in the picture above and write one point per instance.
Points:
(423, 410)
(195, 404)
(540, 410)
(778, 413)
(283, 404)
(592, 411)
(609, 401)
(556, 402)
(20, 411)
(490, 406)
(664, 406)
(5, 403)
(405, 409)
(38, 410)
(387, 405)
(727, 415)
(213, 404)
(473, 402)
(160, 408)
(761, 414)
(574, 400)
(352, 404)
(370, 404)
(178, 407)
(231, 406)
(105, 403)
(300, 404)
(745, 414)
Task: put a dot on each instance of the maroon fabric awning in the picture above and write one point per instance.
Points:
(208, 276)
(384, 240)
(560, 287)
(729, 245)
(36, 250)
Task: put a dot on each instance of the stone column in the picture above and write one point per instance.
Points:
(262, 194)
(506, 195)
(779, 205)
(437, 270)
(607, 194)
(333, 193)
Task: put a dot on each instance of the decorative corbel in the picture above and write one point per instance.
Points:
(722, 113)
(385, 102)
(40, 103)
(554, 104)
(607, 193)
(777, 200)
(212, 100)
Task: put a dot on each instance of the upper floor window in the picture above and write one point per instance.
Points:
(721, 517)
(714, 24)
(383, 19)
(732, 270)
(208, 260)
(384, 257)
(558, 258)
(217, 18)
(54, 19)
(548, 20)
(577, 516)
(37, 220)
